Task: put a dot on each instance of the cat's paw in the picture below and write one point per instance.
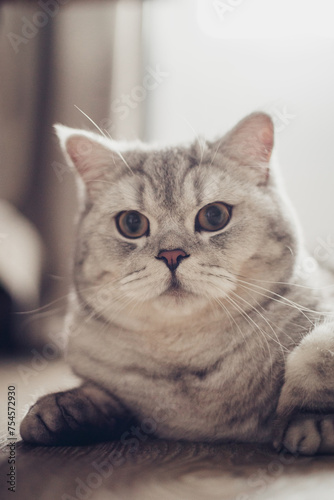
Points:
(305, 434)
(305, 411)
(66, 418)
(55, 418)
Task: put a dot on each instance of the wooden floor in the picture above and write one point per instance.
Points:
(145, 469)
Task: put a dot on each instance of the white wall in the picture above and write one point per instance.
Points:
(216, 80)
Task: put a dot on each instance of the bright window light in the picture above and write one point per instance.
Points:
(269, 19)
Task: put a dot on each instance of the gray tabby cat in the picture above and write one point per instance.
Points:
(189, 317)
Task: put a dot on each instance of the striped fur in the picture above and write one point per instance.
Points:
(241, 346)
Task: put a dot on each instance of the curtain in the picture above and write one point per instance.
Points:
(56, 55)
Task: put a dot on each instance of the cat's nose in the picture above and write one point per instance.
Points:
(172, 258)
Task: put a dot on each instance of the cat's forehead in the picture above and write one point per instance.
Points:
(178, 179)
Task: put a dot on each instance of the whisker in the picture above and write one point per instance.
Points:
(104, 135)
(300, 307)
(265, 319)
(281, 300)
(63, 297)
(41, 308)
(215, 153)
(250, 292)
(222, 305)
(325, 287)
(91, 120)
(239, 309)
(257, 328)
(201, 146)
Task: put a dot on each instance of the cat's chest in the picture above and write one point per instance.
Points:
(206, 389)
(229, 399)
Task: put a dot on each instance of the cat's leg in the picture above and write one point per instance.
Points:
(79, 416)
(305, 412)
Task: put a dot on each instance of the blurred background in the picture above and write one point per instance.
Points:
(158, 70)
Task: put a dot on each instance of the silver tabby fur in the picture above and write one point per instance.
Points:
(242, 347)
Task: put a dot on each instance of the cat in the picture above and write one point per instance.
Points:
(189, 317)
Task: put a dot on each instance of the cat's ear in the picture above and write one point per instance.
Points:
(92, 156)
(251, 143)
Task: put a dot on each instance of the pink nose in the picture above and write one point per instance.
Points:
(172, 258)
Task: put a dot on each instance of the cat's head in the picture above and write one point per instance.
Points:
(178, 229)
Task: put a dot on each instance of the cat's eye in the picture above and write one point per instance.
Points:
(213, 217)
(132, 224)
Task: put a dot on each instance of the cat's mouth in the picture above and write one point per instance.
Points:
(175, 288)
